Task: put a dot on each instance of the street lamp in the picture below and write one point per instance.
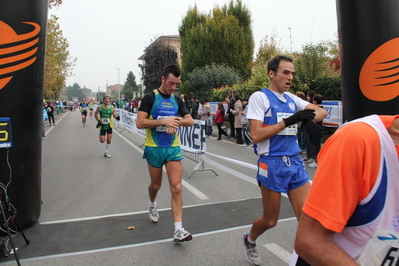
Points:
(289, 28)
(119, 88)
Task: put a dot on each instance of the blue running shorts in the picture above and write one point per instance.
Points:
(281, 174)
(156, 156)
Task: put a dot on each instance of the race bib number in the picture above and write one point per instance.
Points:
(381, 250)
(105, 121)
(290, 130)
(161, 128)
(84, 108)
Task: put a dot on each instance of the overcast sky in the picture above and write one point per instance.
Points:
(105, 35)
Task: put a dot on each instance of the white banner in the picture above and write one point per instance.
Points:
(334, 110)
(192, 139)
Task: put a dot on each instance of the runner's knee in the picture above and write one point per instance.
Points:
(156, 186)
(269, 222)
(176, 189)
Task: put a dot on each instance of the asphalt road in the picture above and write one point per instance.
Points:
(89, 201)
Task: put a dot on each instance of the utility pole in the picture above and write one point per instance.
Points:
(119, 88)
(289, 28)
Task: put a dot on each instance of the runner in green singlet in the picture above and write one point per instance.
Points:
(104, 114)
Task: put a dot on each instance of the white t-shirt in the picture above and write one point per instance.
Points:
(258, 104)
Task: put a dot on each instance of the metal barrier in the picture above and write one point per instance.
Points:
(199, 158)
(191, 141)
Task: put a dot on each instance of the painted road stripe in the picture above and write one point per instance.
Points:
(141, 244)
(279, 252)
(185, 184)
(231, 171)
(250, 166)
(139, 212)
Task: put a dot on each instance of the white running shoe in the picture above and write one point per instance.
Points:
(313, 165)
(311, 160)
(252, 252)
(182, 235)
(106, 155)
(153, 214)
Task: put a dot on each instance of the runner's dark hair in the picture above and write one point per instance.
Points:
(171, 69)
(275, 62)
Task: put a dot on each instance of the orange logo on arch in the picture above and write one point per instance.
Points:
(379, 76)
(16, 51)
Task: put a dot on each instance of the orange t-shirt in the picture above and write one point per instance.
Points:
(348, 165)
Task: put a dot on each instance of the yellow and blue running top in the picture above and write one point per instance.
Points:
(162, 108)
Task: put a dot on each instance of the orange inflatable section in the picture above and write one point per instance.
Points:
(379, 76)
(19, 53)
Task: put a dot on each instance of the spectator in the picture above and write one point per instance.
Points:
(237, 118)
(194, 108)
(134, 105)
(308, 147)
(230, 101)
(208, 124)
(204, 110)
(315, 141)
(244, 122)
(50, 113)
(187, 102)
(219, 119)
(300, 135)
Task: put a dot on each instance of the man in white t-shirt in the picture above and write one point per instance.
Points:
(273, 114)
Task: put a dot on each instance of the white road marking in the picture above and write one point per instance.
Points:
(134, 213)
(185, 184)
(150, 243)
(279, 252)
(193, 190)
(231, 171)
(248, 165)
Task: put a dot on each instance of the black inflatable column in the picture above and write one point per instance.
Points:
(369, 39)
(22, 51)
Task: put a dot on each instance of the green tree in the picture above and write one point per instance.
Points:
(259, 80)
(223, 37)
(58, 63)
(86, 91)
(203, 80)
(334, 53)
(157, 56)
(270, 46)
(130, 85)
(311, 64)
(329, 88)
(54, 3)
(75, 91)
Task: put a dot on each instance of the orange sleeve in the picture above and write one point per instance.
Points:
(348, 165)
